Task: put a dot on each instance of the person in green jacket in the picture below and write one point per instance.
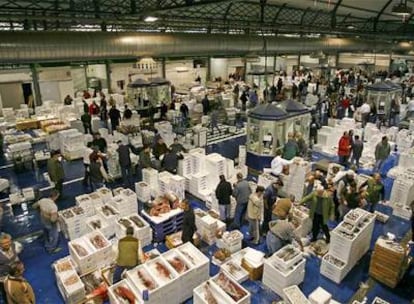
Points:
(382, 151)
(291, 149)
(321, 210)
(129, 254)
(375, 190)
(55, 171)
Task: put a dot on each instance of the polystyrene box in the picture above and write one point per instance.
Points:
(320, 296)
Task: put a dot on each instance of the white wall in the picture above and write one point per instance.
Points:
(219, 68)
(348, 60)
(181, 73)
(98, 71)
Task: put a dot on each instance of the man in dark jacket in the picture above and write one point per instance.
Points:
(99, 142)
(124, 163)
(269, 198)
(87, 122)
(188, 226)
(206, 105)
(357, 148)
(223, 194)
(55, 171)
(85, 106)
(144, 161)
(115, 117)
(170, 162)
(241, 193)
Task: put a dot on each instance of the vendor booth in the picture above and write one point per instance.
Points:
(380, 95)
(268, 126)
(152, 93)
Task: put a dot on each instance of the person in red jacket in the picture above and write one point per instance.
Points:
(344, 149)
(93, 109)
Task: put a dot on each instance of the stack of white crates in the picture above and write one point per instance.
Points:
(185, 165)
(115, 299)
(197, 162)
(216, 165)
(86, 203)
(126, 202)
(295, 181)
(150, 176)
(72, 222)
(143, 191)
(68, 281)
(114, 169)
(87, 255)
(242, 155)
(300, 215)
(284, 268)
(199, 185)
(402, 193)
(350, 240)
(232, 241)
(96, 222)
(71, 144)
(208, 226)
(105, 194)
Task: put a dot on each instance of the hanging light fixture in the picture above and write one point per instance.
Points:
(402, 9)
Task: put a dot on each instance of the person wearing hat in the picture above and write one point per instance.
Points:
(281, 232)
(241, 192)
(18, 289)
(321, 210)
(55, 170)
(269, 198)
(129, 254)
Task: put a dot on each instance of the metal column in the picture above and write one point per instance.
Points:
(108, 75)
(36, 86)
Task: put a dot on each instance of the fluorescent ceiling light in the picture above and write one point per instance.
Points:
(350, 27)
(150, 19)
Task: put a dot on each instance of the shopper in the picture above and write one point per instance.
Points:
(103, 111)
(176, 147)
(97, 172)
(357, 148)
(313, 132)
(144, 160)
(243, 99)
(124, 163)
(18, 289)
(351, 198)
(321, 209)
(278, 164)
(319, 176)
(87, 122)
(254, 213)
(68, 100)
(223, 195)
(127, 112)
(309, 185)
(188, 226)
(129, 254)
(55, 170)
(291, 149)
(85, 106)
(170, 162)
(374, 190)
(159, 150)
(282, 207)
(382, 151)
(184, 114)
(281, 233)
(269, 199)
(241, 192)
(206, 105)
(214, 120)
(344, 149)
(93, 109)
(302, 146)
(394, 120)
(115, 117)
(99, 142)
(49, 219)
(341, 186)
(86, 162)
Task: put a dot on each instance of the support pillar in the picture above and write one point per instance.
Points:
(108, 75)
(36, 86)
(163, 71)
(208, 76)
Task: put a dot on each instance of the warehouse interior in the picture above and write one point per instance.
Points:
(231, 83)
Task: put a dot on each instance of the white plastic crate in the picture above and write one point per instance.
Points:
(116, 299)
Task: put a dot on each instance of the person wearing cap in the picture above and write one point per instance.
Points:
(282, 207)
(269, 198)
(320, 211)
(124, 162)
(241, 192)
(18, 289)
(281, 233)
(223, 195)
(129, 254)
(55, 170)
(49, 219)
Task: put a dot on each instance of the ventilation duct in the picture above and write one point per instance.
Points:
(18, 47)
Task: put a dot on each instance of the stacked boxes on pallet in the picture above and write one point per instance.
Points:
(68, 281)
(350, 240)
(224, 289)
(105, 194)
(301, 220)
(126, 202)
(172, 183)
(91, 251)
(284, 268)
(86, 203)
(171, 276)
(150, 176)
(71, 144)
(402, 193)
(96, 222)
(143, 191)
(164, 224)
(232, 241)
(72, 222)
(208, 226)
(216, 165)
(295, 181)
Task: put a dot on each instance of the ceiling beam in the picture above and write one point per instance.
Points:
(380, 13)
(335, 9)
(278, 12)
